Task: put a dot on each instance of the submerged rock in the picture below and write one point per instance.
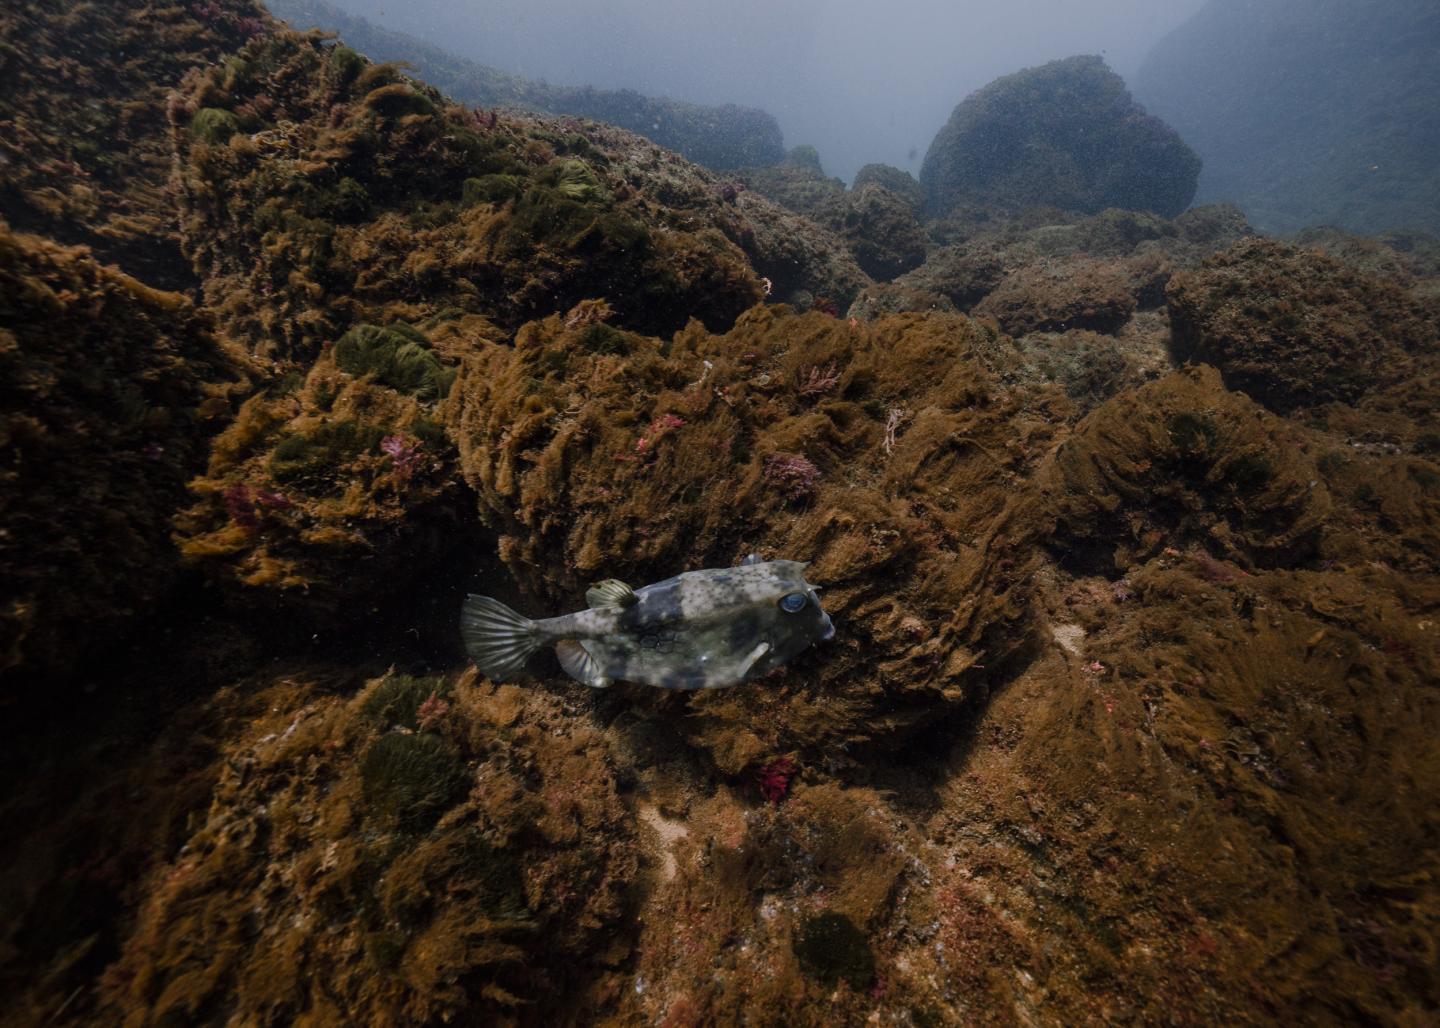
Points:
(1076, 293)
(798, 183)
(86, 148)
(474, 868)
(1066, 133)
(1142, 248)
(898, 181)
(592, 462)
(880, 227)
(333, 490)
(306, 224)
(1295, 328)
(1178, 462)
(109, 392)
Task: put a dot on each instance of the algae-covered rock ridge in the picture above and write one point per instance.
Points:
(1126, 517)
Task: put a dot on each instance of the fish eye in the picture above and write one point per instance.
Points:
(793, 603)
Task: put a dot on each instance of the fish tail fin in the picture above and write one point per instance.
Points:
(498, 639)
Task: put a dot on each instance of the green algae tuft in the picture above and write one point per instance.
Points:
(491, 189)
(316, 461)
(398, 699)
(346, 63)
(398, 356)
(213, 125)
(410, 780)
(398, 100)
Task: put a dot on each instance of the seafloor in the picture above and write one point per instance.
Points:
(1129, 528)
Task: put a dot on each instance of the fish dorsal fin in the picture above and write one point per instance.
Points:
(579, 665)
(753, 558)
(610, 593)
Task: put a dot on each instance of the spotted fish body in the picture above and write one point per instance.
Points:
(699, 630)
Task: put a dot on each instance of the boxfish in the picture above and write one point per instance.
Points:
(699, 630)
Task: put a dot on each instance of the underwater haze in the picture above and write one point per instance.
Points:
(862, 82)
(685, 515)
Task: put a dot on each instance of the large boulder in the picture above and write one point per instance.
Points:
(892, 178)
(797, 183)
(881, 229)
(1067, 134)
(1295, 328)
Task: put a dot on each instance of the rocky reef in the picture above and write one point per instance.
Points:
(1129, 527)
(86, 160)
(430, 849)
(797, 183)
(720, 137)
(1065, 134)
(877, 220)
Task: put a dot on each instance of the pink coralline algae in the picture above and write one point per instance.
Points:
(245, 505)
(405, 456)
(432, 713)
(240, 505)
(791, 474)
(818, 381)
(659, 428)
(775, 778)
(272, 500)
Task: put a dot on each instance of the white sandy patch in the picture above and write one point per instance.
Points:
(1069, 637)
(670, 832)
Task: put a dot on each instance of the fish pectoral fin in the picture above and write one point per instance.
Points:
(610, 593)
(579, 665)
(750, 659)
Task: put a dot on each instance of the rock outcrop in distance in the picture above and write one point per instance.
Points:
(1065, 134)
(720, 137)
(1308, 112)
(877, 219)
